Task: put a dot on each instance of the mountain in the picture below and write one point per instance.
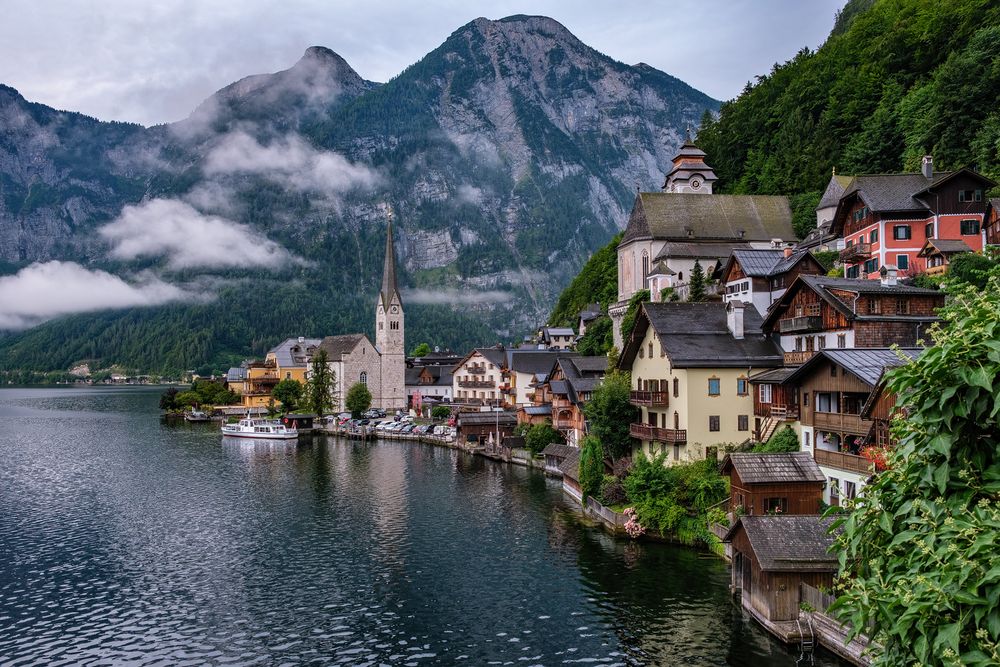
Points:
(895, 80)
(507, 156)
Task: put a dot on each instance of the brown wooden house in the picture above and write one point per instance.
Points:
(478, 427)
(786, 483)
(761, 276)
(555, 453)
(992, 224)
(937, 253)
(772, 555)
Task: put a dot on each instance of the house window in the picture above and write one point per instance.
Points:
(805, 399)
(929, 230)
(874, 237)
(764, 393)
(713, 422)
(364, 378)
(775, 505)
(743, 423)
(642, 352)
(970, 195)
(805, 439)
(833, 370)
(798, 343)
(850, 490)
(861, 239)
(650, 350)
(903, 262)
(821, 342)
(970, 227)
(714, 386)
(742, 386)
(901, 232)
(902, 307)
(871, 266)
(677, 452)
(677, 387)
(874, 305)
(834, 490)
(852, 272)
(680, 276)
(842, 341)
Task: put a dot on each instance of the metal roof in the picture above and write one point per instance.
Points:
(868, 364)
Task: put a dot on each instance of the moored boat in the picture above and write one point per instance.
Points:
(260, 429)
(196, 416)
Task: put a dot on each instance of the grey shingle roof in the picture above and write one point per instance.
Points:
(591, 312)
(591, 364)
(290, 352)
(670, 216)
(337, 346)
(766, 263)
(774, 468)
(478, 418)
(773, 376)
(570, 467)
(534, 361)
(893, 192)
(834, 191)
(790, 543)
(559, 387)
(559, 450)
(717, 250)
(944, 246)
(868, 364)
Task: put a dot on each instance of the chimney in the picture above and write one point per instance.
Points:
(888, 275)
(302, 339)
(734, 319)
(788, 251)
(927, 167)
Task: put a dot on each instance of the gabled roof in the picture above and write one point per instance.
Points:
(834, 190)
(292, 352)
(337, 346)
(534, 362)
(765, 263)
(236, 374)
(866, 364)
(753, 468)
(773, 376)
(558, 450)
(696, 335)
(597, 364)
(570, 467)
(479, 418)
(944, 246)
(537, 410)
(671, 216)
(717, 250)
(494, 355)
(591, 312)
(442, 375)
(789, 543)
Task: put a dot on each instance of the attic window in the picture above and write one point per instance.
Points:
(970, 195)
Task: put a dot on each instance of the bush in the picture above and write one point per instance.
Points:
(612, 491)
(540, 436)
(783, 440)
(440, 412)
(591, 467)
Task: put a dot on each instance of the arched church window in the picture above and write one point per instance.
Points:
(364, 378)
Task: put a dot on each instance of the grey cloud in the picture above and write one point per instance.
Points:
(454, 297)
(176, 230)
(43, 291)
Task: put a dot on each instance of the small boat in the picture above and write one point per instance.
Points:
(260, 429)
(196, 416)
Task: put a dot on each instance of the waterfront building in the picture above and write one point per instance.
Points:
(428, 384)
(761, 276)
(390, 335)
(476, 379)
(566, 390)
(691, 365)
(885, 219)
(785, 483)
(688, 223)
(353, 358)
(480, 427)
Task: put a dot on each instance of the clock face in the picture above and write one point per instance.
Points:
(395, 309)
(695, 184)
(380, 311)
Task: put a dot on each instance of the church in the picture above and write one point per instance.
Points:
(669, 231)
(353, 358)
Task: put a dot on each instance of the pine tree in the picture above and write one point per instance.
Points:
(696, 289)
(321, 385)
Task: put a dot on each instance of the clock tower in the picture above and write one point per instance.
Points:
(389, 332)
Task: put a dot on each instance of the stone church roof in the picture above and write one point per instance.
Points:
(337, 346)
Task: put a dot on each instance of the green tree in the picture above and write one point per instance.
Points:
(628, 319)
(421, 350)
(539, 436)
(783, 440)
(439, 412)
(591, 467)
(321, 385)
(187, 399)
(610, 413)
(358, 399)
(971, 269)
(919, 557)
(597, 340)
(696, 288)
(168, 399)
(288, 392)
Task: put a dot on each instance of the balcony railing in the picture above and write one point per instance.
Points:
(475, 370)
(659, 398)
(858, 251)
(802, 323)
(668, 435)
(841, 422)
(476, 384)
(842, 461)
(798, 358)
(937, 270)
(781, 412)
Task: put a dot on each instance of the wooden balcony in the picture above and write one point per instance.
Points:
(668, 435)
(781, 412)
(802, 323)
(475, 370)
(937, 270)
(842, 461)
(841, 423)
(856, 253)
(650, 398)
(476, 384)
(798, 358)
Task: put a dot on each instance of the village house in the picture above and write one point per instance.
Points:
(690, 365)
(588, 316)
(885, 219)
(822, 237)
(478, 428)
(555, 453)
(686, 223)
(561, 397)
(835, 386)
(786, 483)
(477, 378)
(523, 371)
(937, 254)
(557, 338)
(254, 381)
(820, 312)
(430, 384)
(760, 277)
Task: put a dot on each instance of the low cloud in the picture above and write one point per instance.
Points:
(187, 238)
(450, 297)
(291, 162)
(46, 290)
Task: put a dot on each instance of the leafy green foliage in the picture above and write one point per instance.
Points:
(598, 338)
(826, 258)
(675, 499)
(202, 392)
(612, 491)
(539, 436)
(783, 440)
(591, 466)
(918, 554)
(610, 413)
(971, 269)
(421, 350)
(439, 412)
(358, 399)
(288, 392)
(896, 80)
(597, 282)
(696, 288)
(320, 385)
(628, 319)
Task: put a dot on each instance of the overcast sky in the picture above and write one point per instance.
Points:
(153, 61)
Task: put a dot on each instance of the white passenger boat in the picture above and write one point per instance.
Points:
(260, 429)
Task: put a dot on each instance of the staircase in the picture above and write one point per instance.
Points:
(767, 428)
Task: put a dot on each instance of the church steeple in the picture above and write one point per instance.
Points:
(389, 330)
(689, 173)
(389, 287)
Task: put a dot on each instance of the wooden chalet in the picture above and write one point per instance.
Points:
(772, 556)
(568, 387)
(821, 312)
(789, 483)
(760, 276)
(937, 253)
(478, 427)
(775, 403)
(885, 219)
(555, 453)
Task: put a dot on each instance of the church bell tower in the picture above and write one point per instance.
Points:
(389, 331)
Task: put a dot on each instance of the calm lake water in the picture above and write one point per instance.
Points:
(127, 540)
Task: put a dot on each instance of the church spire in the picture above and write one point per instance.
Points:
(389, 287)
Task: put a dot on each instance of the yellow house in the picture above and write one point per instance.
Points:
(289, 360)
(691, 365)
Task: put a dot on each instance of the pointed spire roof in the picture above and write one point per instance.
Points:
(389, 287)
